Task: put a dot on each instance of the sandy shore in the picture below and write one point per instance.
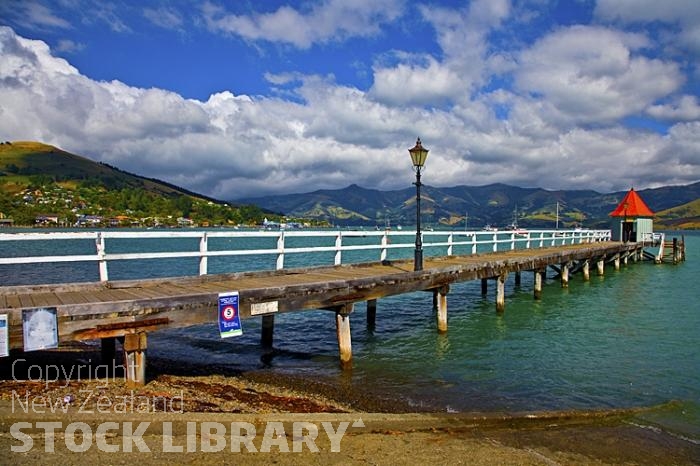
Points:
(180, 405)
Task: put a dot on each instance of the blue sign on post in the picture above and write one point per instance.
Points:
(229, 319)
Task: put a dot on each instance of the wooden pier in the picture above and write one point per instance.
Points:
(128, 309)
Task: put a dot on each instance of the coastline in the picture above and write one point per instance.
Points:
(387, 433)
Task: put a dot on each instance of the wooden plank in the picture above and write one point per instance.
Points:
(45, 300)
(212, 287)
(72, 297)
(141, 293)
(209, 289)
(13, 302)
(26, 301)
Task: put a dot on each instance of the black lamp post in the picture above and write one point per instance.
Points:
(418, 156)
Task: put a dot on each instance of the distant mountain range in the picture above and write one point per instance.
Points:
(495, 204)
(36, 178)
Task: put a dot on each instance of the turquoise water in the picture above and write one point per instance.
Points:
(628, 339)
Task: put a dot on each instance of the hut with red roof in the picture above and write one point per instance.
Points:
(634, 219)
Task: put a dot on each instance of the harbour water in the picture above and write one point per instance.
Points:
(627, 339)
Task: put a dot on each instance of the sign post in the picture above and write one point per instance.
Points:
(229, 318)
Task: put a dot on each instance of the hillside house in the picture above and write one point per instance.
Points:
(46, 219)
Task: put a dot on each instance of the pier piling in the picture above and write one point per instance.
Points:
(501, 292)
(585, 268)
(135, 345)
(268, 330)
(539, 274)
(676, 253)
(108, 350)
(371, 314)
(342, 326)
(440, 300)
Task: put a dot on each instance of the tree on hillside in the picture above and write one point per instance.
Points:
(184, 205)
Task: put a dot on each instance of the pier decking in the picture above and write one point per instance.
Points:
(129, 309)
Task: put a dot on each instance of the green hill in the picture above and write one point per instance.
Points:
(683, 217)
(40, 183)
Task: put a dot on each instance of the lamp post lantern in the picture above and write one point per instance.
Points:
(418, 156)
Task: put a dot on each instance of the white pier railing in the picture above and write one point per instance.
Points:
(388, 245)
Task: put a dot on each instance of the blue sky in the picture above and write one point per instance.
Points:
(246, 98)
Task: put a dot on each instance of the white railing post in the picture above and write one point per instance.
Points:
(100, 244)
(449, 244)
(203, 254)
(474, 243)
(385, 241)
(528, 242)
(280, 251)
(338, 248)
(495, 242)
(512, 241)
(541, 239)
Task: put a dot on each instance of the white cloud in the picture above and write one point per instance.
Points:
(462, 36)
(32, 14)
(686, 108)
(648, 10)
(105, 12)
(322, 22)
(69, 46)
(592, 75)
(46, 15)
(330, 135)
(683, 13)
(166, 18)
(417, 84)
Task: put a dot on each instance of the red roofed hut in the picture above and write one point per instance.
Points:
(634, 219)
